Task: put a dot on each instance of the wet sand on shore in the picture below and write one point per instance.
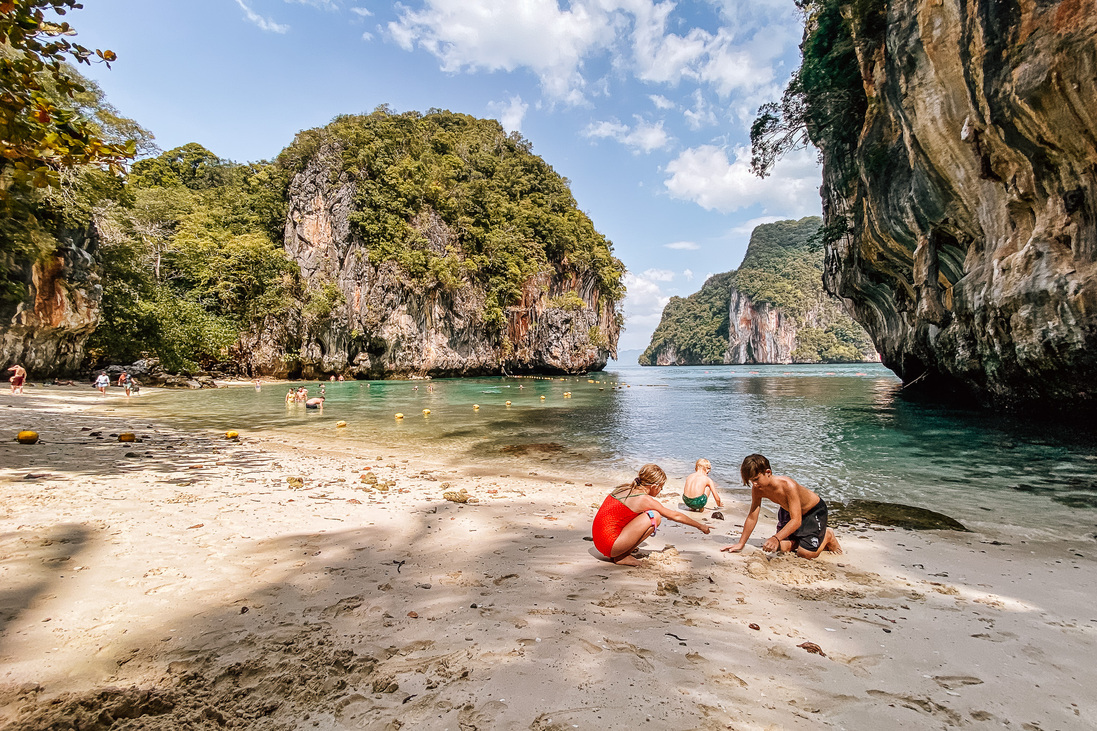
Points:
(272, 582)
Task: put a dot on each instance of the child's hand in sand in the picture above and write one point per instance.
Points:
(734, 549)
(705, 529)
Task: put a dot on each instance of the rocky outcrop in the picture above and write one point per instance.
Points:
(47, 329)
(969, 206)
(757, 334)
(762, 333)
(773, 309)
(374, 320)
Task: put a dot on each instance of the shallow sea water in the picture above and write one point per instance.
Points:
(845, 431)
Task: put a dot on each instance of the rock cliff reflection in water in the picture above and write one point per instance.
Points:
(844, 431)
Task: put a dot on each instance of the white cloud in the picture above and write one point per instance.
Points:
(701, 115)
(643, 307)
(658, 275)
(661, 102)
(688, 274)
(706, 176)
(682, 246)
(322, 4)
(510, 113)
(362, 12)
(504, 35)
(367, 36)
(260, 21)
(554, 40)
(614, 130)
(747, 227)
(643, 137)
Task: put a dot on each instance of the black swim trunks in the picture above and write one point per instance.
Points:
(812, 530)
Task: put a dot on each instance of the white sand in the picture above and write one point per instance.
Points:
(192, 586)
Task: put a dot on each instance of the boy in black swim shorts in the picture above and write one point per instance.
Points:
(801, 520)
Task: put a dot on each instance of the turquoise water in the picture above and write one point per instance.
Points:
(845, 431)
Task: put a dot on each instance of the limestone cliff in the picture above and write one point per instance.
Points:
(963, 222)
(46, 330)
(379, 320)
(771, 310)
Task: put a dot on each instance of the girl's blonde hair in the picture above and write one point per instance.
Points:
(650, 475)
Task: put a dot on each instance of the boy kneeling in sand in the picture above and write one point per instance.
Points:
(801, 521)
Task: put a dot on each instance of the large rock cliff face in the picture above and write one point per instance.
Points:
(762, 333)
(383, 323)
(46, 332)
(971, 199)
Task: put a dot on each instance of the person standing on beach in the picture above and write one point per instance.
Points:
(18, 378)
(630, 515)
(801, 520)
(102, 382)
(699, 486)
(126, 382)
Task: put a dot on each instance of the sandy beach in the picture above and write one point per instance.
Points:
(189, 581)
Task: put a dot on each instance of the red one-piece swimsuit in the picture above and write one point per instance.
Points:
(611, 519)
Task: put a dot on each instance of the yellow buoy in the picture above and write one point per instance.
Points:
(590, 380)
(426, 412)
(127, 436)
(399, 416)
(542, 398)
(341, 424)
(27, 437)
(231, 434)
(508, 403)
(476, 407)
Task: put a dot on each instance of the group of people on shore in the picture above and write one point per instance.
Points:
(101, 382)
(631, 513)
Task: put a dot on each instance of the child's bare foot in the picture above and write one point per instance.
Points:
(831, 544)
(626, 560)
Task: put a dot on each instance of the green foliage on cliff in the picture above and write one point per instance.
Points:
(47, 196)
(825, 101)
(451, 198)
(782, 267)
(188, 259)
(696, 327)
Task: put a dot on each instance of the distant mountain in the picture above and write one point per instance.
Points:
(626, 357)
(773, 309)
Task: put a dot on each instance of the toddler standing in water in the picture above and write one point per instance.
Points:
(630, 515)
(699, 486)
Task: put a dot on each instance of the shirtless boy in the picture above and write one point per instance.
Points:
(699, 486)
(801, 521)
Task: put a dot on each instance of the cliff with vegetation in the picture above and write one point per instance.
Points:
(439, 245)
(959, 141)
(771, 310)
(385, 245)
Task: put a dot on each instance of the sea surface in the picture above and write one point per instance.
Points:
(846, 431)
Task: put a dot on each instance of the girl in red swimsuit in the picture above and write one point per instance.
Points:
(630, 515)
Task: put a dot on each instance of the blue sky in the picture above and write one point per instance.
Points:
(644, 106)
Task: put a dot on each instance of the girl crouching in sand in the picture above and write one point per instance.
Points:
(630, 515)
